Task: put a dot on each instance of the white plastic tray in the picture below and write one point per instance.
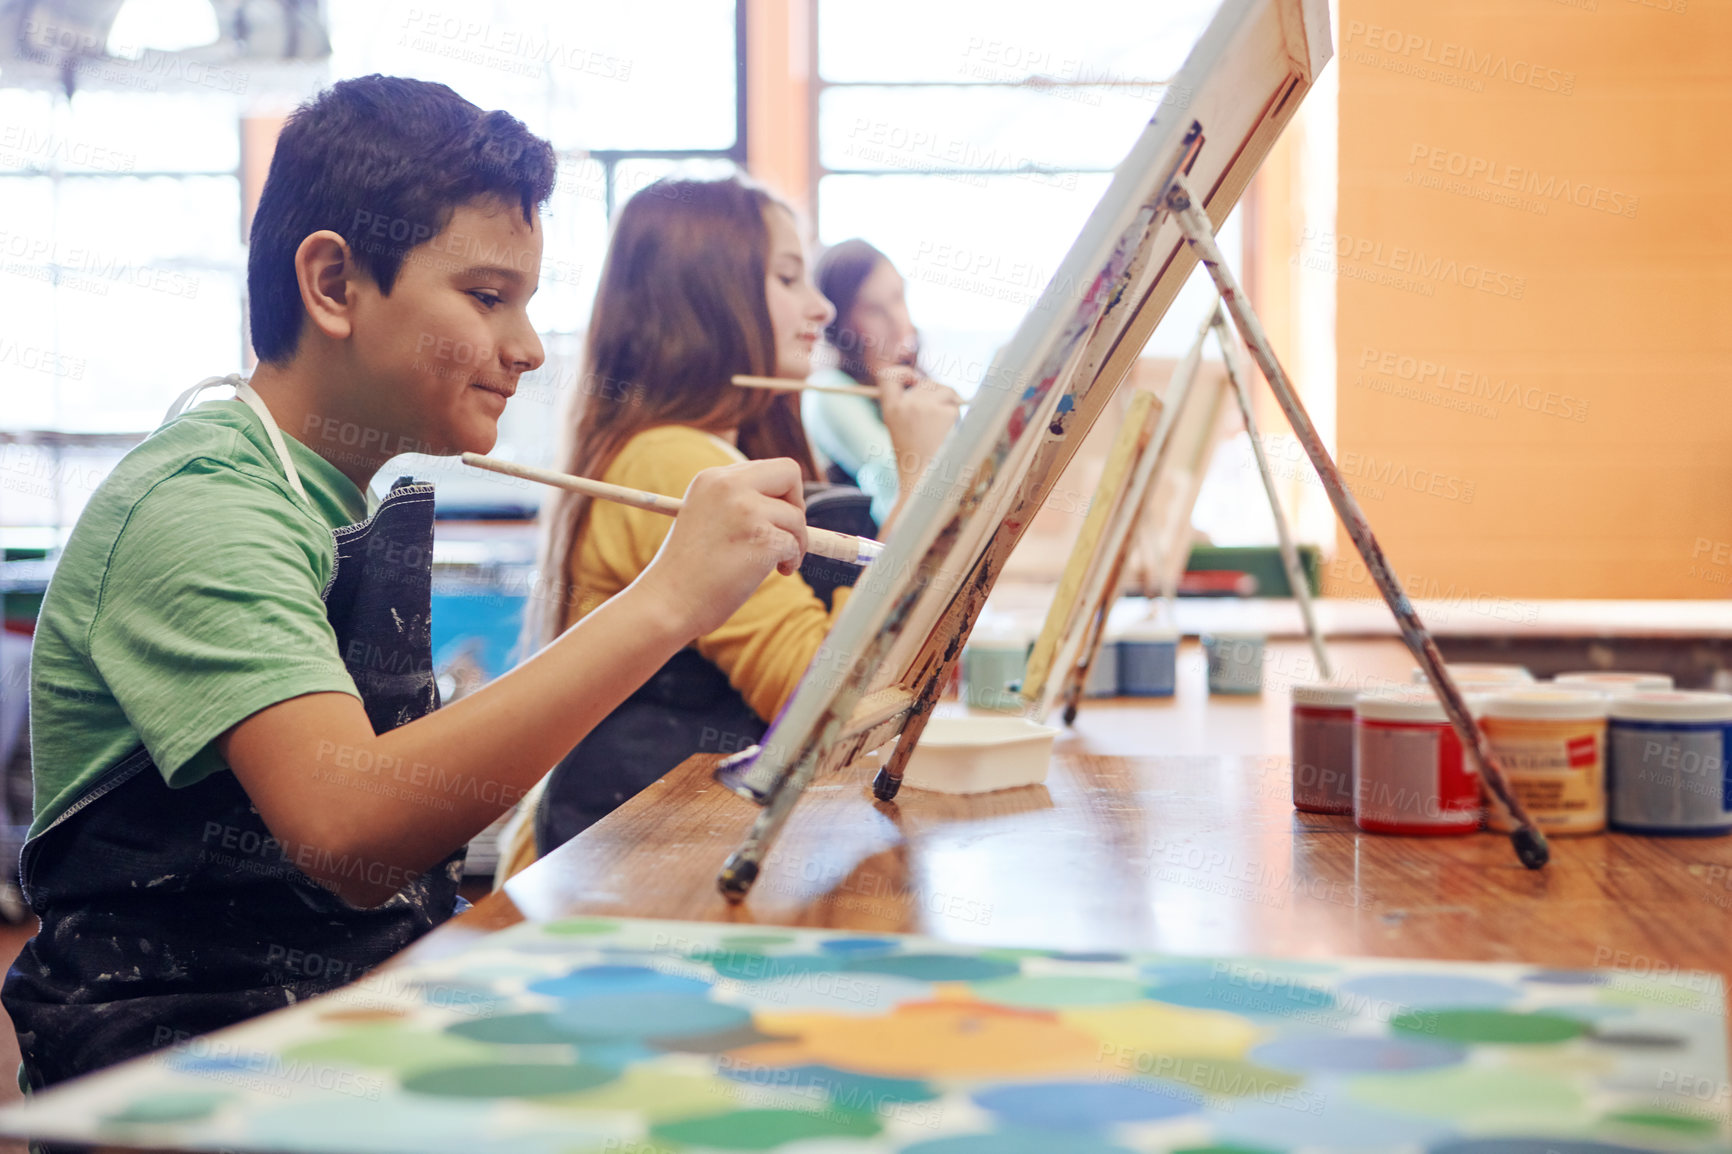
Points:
(980, 754)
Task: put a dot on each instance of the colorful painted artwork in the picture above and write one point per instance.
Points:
(632, 1037)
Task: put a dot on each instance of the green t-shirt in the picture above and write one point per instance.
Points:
(187, 599)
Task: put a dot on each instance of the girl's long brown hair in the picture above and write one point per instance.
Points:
(680, 310)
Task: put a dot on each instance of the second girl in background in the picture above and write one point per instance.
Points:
(704, 280)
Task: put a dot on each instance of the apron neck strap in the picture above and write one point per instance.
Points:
(244, 392)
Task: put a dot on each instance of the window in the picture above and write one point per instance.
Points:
(972, 152)
(122, 257)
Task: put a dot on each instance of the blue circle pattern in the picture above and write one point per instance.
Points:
(1083, 1105)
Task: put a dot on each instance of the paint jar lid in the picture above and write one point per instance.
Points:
(1327, 694)
(1409, 704)
(998, 639)
(1146, 632)
(1479, 671)
(1543, 703)
(1615, 681)
(1672, 705)
(1475, 687)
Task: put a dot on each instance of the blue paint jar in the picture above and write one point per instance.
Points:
(993, 662)
(1667, 772)
(1235, 662)
(1148, 660)
(1103, 679)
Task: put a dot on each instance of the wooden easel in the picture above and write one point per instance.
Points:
(891, 649)
(1071, 638)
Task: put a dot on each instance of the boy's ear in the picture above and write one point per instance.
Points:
(325, 268)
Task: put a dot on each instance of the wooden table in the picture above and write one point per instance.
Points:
(1163, 825)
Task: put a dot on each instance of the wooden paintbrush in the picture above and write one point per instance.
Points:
(784, 385)
(819, 542)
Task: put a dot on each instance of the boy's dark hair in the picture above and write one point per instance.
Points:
(382, 161)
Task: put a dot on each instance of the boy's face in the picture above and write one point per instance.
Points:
(446, 348)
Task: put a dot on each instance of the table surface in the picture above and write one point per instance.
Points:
(1368, 617)
(1163, 825)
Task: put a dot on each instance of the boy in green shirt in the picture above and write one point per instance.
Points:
(239, 766)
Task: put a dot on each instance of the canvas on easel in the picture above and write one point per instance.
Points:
(1150, 524)
(879, 671)
(1152, 494)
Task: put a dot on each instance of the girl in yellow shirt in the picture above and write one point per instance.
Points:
(703, 280)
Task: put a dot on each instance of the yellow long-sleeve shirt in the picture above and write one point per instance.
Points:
(765, 646)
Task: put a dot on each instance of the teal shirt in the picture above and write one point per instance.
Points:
(188, 598)
(850, 431)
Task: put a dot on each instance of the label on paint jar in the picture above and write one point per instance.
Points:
(1556, 767)
(1323, 760)
(1670, 777)
(1412, 779)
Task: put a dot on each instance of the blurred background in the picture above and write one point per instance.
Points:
(1492, 249)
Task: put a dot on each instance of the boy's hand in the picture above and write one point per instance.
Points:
(739, 523)
(919, 413)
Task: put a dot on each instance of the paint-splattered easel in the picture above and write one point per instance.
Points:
(892, 648)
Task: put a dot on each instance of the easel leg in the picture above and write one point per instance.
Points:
(1289, 553)
(970, 602)
(1076, 678)
(1529, 842)
(888, 782)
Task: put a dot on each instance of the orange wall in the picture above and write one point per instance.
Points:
(779, 133)
(1599, 322)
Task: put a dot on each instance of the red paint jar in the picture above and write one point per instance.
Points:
(1323, 747)
(1409, 774)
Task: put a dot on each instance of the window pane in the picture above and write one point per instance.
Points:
(143, 340)
(1079, 41)
(27, 139)
(575, 224)
(145, 132)
(26, 219)
(34, 359)
(117, 132)
(589, 75)
(986, 128)
(192, 219)
(976, 257)
(631, 176)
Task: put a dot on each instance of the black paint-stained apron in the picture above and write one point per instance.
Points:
(687, 707)
(172, 912)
